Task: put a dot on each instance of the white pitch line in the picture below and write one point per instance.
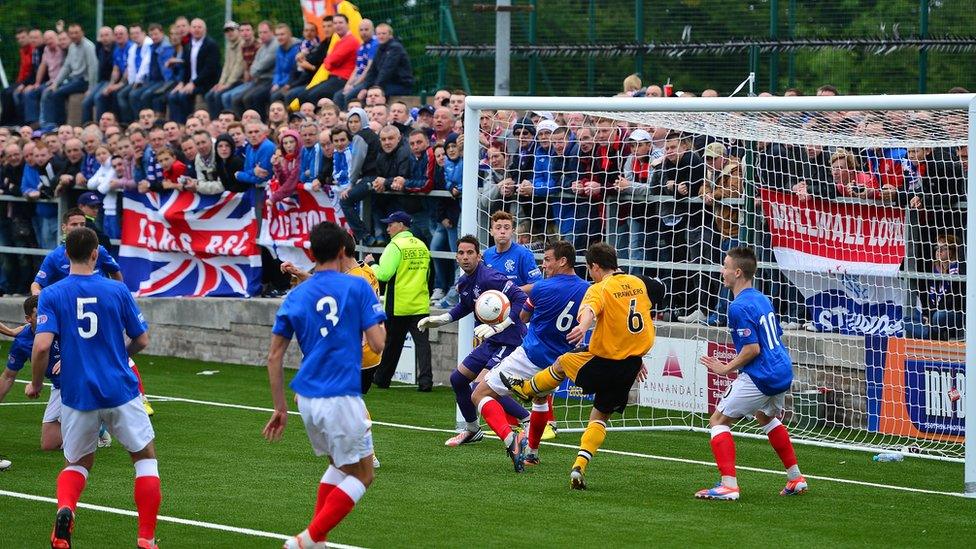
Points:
(174, 520)
(602, 451)
(23, 403)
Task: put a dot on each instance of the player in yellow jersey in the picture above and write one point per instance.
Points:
(352, 267)
(620, 304)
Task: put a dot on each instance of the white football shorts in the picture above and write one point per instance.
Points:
(53, 411)
(517, 364)
(743, 399)
(338, 427)
(129, 424)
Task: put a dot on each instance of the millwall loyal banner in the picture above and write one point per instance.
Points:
(179, 243)
(287, 223)
(844, 259)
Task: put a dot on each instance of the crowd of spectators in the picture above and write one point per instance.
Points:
(655, 193)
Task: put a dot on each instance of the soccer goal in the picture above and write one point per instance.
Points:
(856, 206)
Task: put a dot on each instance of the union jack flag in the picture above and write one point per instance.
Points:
(179, 243)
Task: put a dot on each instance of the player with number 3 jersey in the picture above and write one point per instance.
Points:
(553, 305)
(330, 314)
(765, 375)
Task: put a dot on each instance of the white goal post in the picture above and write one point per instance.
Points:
(697, 116)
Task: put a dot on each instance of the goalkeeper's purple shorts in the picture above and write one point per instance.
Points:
(486, 356)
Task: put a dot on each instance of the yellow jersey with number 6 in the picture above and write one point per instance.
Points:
(623, 317)
(370, 358)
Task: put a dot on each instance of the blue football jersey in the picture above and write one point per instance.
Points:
(554, 304)
(56, 265)
(484, 278)
(752, 320)
(517, 263)
(328, 314)
(90, 315)
(20, 353)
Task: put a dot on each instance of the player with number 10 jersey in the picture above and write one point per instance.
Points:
(765, 375)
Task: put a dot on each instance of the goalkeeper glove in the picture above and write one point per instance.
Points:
(433, 321)
(484, 331)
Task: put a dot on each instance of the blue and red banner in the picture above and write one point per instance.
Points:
(182, 244)
(916, 388)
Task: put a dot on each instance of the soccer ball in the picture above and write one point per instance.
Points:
(492, 307)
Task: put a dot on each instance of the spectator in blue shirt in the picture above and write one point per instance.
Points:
(259, 96)
(159, 76)
(257, 156)
(286, 74)
(364, 56)
(105, 99)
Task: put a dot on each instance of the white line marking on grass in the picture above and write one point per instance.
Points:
(23, 403)
(602, 450)
(174, 520)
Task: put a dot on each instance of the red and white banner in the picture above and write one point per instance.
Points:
(288, 222)
(821, 236)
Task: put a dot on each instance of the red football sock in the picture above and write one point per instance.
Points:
(537, 425)
(723, 448)
(512, 420)
(332, 477)
(550, 416)
(71, 483)
(135, 370)
(148, 496)
(779, 438)
(495, 417)
(338, 504)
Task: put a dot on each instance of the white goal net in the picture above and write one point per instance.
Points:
(858, 218)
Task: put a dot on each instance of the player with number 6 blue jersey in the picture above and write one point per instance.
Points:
(765, 373)
(553, 307)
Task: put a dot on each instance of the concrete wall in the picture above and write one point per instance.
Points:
(230, 330)
(238, 331)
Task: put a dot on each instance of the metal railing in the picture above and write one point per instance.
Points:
(19, 199)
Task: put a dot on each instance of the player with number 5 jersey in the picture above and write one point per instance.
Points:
(552, 306)
(765, 375)
(91, 316)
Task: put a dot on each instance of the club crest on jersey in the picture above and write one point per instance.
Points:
(744, 332)
(510, 265)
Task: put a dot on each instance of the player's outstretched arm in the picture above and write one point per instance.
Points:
(744, 357)
(39, 358)
(376, 338)
(6, 382)
(11, 332)
(136, 345)
(276, 425)
(585, 317)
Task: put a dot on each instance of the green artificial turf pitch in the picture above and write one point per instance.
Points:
(218, 470)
